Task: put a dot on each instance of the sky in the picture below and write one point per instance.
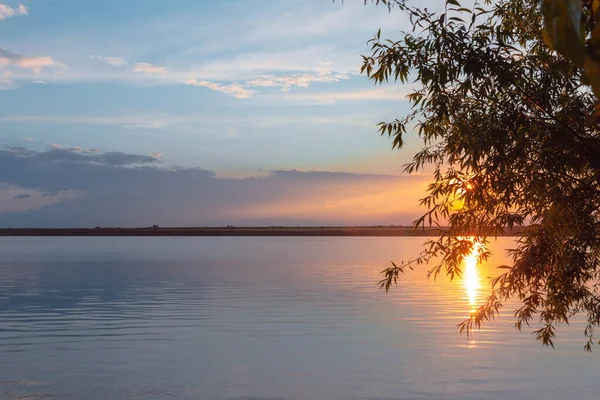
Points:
(194, 112)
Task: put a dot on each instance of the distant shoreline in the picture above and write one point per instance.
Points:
(232, 231)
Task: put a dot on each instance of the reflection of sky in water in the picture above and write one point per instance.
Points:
(188, 318)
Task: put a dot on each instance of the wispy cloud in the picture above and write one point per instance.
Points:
(7, 84)
(7, 12)
(247, 65)
(280, 47)
(287, 82)
(28, 139)
(148, 121)
(398, 93)
(212, 125)
(73, 149)
(15, 199)
(149, 68)
(114, 61)
(8, 58)
(235, 89)
(304, 20)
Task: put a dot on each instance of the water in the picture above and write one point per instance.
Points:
(260, 318)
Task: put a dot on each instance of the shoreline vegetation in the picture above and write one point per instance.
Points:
(237, 231)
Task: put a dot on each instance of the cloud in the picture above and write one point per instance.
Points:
(235, 89)
(72, 148)
(284, 36)
(149, 121)
(287, 82)
(15, 199)
(61, 168)
(121, 189)
(249, 65)
(297, 22)
(8, 58)
(39, 82)
(280, 46)
(7, 12)
(114, 61)
(149, 68)
(176, 121)
(7, 84)
(394, 93)
(28, 139)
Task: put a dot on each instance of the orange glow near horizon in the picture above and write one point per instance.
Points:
(352, 202)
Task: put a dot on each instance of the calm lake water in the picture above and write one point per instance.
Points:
(261, 318)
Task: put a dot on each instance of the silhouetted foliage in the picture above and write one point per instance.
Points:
(507, 128)
(570, 28)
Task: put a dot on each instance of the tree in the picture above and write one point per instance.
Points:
(570, 28)
(508, 131)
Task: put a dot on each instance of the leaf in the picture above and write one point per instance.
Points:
(591, 67)
(596, 9)
(591, 64)
(563, 30)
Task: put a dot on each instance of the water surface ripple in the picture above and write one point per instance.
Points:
(260, 318)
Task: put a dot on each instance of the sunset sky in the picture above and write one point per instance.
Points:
(197, 113)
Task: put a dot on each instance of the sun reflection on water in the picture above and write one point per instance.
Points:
(470, 277)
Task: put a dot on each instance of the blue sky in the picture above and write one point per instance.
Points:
(239, 88)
